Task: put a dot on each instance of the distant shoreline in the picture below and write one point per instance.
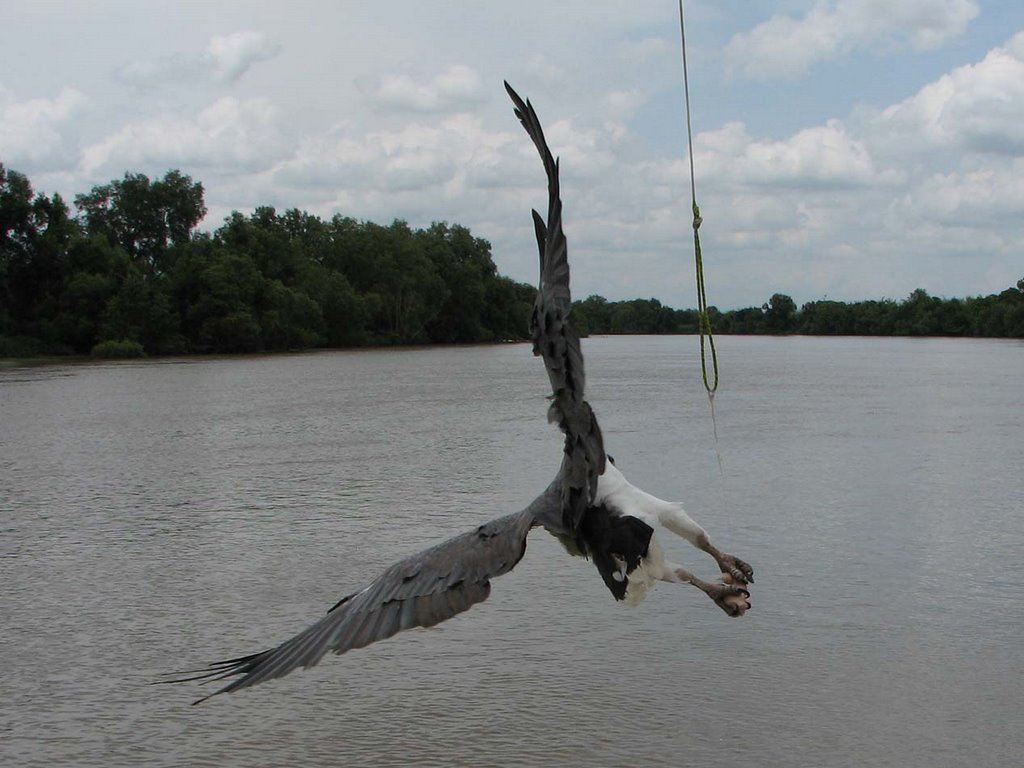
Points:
(129, 276)
(41, 360)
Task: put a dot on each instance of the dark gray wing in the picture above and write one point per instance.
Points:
(556, 340)
(420, 591)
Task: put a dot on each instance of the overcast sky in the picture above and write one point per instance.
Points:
(846, 149)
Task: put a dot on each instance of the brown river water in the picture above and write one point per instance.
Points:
(159, 515)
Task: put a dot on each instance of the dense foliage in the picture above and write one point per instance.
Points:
(130, 272)
(998, 315)
(130, 275)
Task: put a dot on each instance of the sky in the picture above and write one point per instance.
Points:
(844, 149)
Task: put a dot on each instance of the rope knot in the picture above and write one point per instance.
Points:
(703, 316)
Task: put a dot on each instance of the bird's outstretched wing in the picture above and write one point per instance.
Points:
(420, 591)
(556, 340)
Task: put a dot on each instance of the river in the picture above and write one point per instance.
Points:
(159, 515)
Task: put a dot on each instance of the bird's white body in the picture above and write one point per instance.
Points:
(615, 492)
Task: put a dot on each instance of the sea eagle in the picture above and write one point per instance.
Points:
(590, 507)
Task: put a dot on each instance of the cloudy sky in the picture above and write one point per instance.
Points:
(845, 149)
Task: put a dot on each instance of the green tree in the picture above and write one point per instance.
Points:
(289, 319)
(352, 250)
(36, 233)
(747, 320)
(780, 313)
(464, 264)
(141, 310)
(216, 293)
(507, 308)
(410, 290)
(144, 217)
(825, 318)
(264, 237)
(17, 228)
(592, 315)
(343, 311)
(95, 269)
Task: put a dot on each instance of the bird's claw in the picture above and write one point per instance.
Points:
(741, 572)
(734, 600)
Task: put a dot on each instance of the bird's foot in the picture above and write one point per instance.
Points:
(735, 599)
(729, 594)
(732, 598)
(740, 572)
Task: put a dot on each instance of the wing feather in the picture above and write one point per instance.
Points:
(555, 339)
(420, 591)
(447, 579)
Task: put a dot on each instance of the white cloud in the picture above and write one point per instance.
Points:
(586, 152)
(856, 208)
(232, 55)
(228, 134)
(976, 199)
(176, 69)
(444, 160)
(787, 47)
(828, 209)
(819, 156)
(619, 108)
(458, 88)
(226, 59)
(32, 131)
(455, 158)
(976, 107)
(872, 202)
(623, 105)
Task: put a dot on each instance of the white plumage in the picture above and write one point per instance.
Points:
(615, 492)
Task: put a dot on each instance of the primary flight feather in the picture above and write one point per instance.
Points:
(589, 506)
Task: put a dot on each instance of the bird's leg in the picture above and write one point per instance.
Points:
(741, 572)
(734, 599)
(674, 517)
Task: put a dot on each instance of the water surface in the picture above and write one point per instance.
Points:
(159, 515)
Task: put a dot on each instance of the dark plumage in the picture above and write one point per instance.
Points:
(589, 506)
(616, 543)
(555, 339)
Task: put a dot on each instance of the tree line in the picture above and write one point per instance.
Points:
(997, 315)
(129, 274)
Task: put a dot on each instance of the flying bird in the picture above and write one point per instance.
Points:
(590, 507)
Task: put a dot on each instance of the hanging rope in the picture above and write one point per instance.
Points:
(703, 318)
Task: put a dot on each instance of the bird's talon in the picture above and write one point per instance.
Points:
(740, 571)
(733, 599)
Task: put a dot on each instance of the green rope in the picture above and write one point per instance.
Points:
(703, 318)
